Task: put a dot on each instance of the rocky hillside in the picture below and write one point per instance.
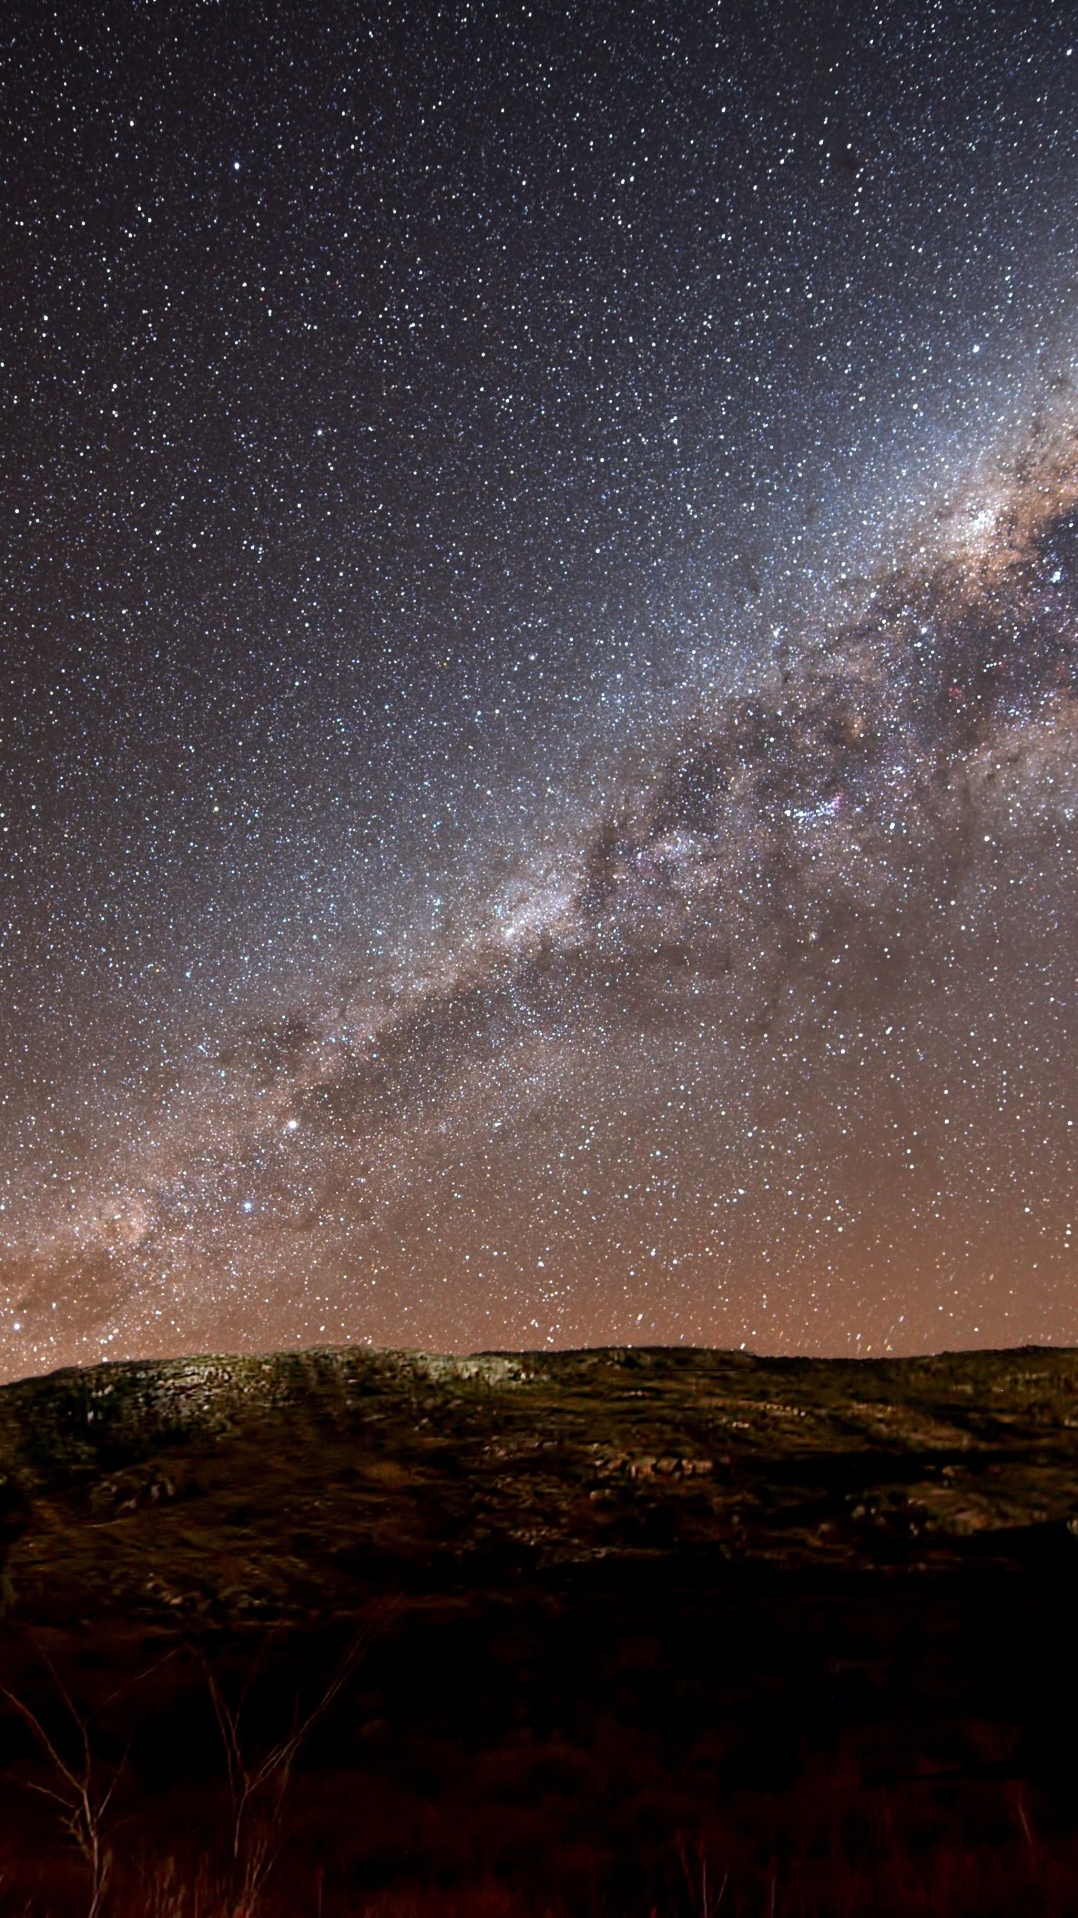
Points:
(219, 1488)
(563, 1633)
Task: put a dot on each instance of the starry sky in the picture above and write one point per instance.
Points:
(538, 676)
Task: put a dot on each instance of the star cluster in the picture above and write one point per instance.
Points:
(539, 722)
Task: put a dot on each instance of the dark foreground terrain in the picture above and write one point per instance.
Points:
(594, 1633)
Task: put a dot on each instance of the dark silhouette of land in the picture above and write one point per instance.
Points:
(608, 1631)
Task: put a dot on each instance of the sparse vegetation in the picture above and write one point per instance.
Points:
(81, 1788)
(657, 1633)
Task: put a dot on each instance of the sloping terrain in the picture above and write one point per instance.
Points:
(221, 1487)
(551, 1625)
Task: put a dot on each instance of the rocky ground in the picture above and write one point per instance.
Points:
(565, 1630)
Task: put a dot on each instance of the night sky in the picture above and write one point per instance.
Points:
(538, 676)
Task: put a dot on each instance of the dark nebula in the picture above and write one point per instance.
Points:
(649, 897)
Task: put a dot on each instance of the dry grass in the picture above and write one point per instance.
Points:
(845, 1874)
(816, 1619)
